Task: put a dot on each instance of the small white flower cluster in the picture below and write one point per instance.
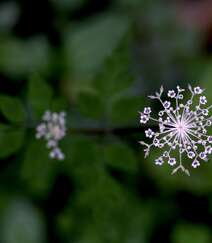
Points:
(182, 127)
(53, 129)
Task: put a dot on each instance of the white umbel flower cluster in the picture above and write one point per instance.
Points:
(53, 129)
(183, 126)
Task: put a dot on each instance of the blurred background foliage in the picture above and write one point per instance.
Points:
(98, 60)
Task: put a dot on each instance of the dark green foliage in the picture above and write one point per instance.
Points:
(98, 61)
(11, 140)
(12, 109)
(39, 96)
(191, 233)
(21, 58)
(36, 172)
(12, 135)
(121, 156)
(91, 105)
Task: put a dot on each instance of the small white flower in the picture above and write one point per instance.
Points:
(203, 156)
(198, 90)
(189, 102)
(172, 161)
(41, 130)
(166, 154)
(205, 112)
(191, 154)
(47, 116)
(149, 133)
(161, 113)
(166, 104)
(208, 150)
(210, 139)
(144, 118)
(203, 100)
(147, 110)
(51, 144)
(156, 142)
(208, 123)
(53, 129)
(56, 153)
(195, 164)
(171, 93)
(180, 96)
(159, 161)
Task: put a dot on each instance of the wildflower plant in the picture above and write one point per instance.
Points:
(53, 129)
(183, 127)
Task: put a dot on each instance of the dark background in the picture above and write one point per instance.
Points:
(98, 60)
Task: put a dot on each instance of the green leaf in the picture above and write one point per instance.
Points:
(116, 76)
(191, 234)
(105, 212)
(83, 159)
(120, 156)
(110, 86)
(38, 171)
(87, 46)
(91, 105)
(125, 110)
(11, 140)
(12, 109)
(91, 235)
(39, 95)
(22, 223)
(59, 104)
(19, 58)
